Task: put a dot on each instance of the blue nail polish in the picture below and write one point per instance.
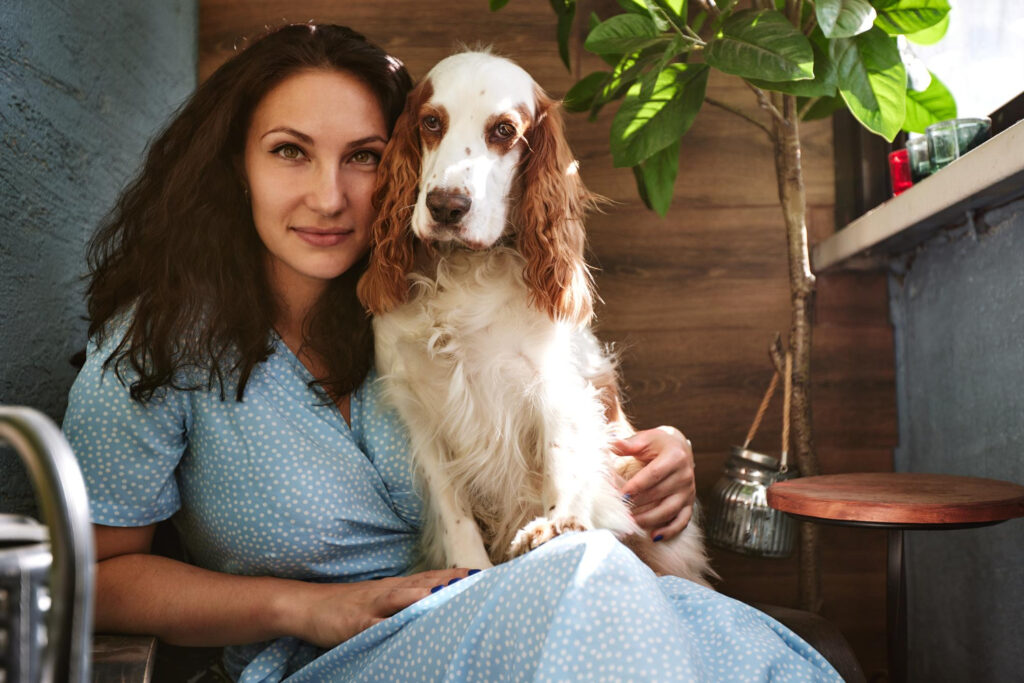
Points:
(473, 571)
(436, 588)
(626, 497)
(658, 538)
(457, 578)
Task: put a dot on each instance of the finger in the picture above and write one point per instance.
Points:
(677, 525)
(661, 514)
(391, 602)
(434, 577)
(675, 482)
(653, 472)
(631, 445)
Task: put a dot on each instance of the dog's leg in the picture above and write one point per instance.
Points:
(457, 530)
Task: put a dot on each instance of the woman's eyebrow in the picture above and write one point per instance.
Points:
(366, 140)
(291, 131)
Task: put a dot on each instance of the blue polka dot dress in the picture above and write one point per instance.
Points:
(280, 485)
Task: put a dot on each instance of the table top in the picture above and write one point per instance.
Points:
(905, 499)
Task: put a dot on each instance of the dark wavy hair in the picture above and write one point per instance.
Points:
(179, 255)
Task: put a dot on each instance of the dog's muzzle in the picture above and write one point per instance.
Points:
(447, 208)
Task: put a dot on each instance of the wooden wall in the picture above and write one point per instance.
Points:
(693, 299)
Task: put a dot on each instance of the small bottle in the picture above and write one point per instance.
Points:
(899, 171)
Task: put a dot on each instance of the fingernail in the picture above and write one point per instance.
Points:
(626, 497)
(436, 588)
(457, 578)
(658, 538)
(473, 571)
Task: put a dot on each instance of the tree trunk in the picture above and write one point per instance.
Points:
(801, 286)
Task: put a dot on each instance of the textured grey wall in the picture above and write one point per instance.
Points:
(958, 315)
(83, 86)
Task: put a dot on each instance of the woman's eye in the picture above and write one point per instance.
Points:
(365, 156)
(289, 152)
(504, 131)
(432, 123)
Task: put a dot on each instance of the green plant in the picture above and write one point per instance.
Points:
(801, 59)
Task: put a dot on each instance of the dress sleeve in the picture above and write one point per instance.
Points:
(128, 451)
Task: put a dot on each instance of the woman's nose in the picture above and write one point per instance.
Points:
(327, 196)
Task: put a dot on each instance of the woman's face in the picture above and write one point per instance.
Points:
(311, 155)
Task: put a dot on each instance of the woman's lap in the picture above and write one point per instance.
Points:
(581, 607)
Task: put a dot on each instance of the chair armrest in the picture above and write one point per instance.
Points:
(123, 659)
(820, 634)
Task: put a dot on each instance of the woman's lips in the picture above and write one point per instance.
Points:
(323, 238)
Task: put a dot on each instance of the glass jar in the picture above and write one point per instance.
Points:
(739, 518)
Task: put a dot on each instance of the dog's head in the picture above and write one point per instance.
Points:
(479, 157)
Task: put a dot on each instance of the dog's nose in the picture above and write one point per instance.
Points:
(447, 207)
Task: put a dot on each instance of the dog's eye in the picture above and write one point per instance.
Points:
(432, 123)
(504, 131)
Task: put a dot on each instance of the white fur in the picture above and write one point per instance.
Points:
(508, 430)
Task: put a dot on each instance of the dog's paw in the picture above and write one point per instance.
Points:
(540, 531)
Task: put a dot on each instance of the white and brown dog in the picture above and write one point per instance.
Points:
(482, 304)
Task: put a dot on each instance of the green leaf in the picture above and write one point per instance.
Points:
(633, 6)
(656, 178)
(622, 34)
(897, 17)
(566, 12)
(498, 4)
(934, 103)
(626, 72)
(823, 107)
(674, 48)
(872, 80)
(581, 95)
(761, 44)
(931, 35)
(844, 18)
(822, 85)
(643, 126)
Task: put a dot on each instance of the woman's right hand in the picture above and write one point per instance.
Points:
(331, 613)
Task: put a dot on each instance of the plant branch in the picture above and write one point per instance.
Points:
(807, 107)
(741, 114)
(710, 6)
(766, 104)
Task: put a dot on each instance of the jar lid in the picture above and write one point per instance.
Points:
(760, 459)
(756, 466)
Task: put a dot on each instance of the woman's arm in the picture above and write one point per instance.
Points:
(137, 592)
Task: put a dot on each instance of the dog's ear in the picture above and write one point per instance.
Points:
(549, 218)
(384, 284)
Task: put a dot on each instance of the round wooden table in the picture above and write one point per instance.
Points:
(898, 501)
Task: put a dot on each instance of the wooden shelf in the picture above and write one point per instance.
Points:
(990, 174)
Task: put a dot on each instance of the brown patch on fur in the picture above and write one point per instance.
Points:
(540, 531)
(384, 285)
(549, 218)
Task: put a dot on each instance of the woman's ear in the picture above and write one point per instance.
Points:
(385, 285)
(549, 218)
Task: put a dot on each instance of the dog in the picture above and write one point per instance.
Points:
(482, 305)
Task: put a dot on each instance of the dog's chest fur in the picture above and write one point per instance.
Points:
(469, 360)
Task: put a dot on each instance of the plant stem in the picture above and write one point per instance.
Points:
(741, 114)
(766, 103)
(802, 285)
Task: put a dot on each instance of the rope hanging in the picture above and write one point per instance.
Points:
(787, 398)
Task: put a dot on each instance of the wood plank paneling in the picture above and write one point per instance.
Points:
(694, 299)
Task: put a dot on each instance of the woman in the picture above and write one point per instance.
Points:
(228, 384)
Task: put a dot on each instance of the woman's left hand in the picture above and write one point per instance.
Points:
(663, 492)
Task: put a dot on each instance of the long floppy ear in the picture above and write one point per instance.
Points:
(384, 284)
(549, 218)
